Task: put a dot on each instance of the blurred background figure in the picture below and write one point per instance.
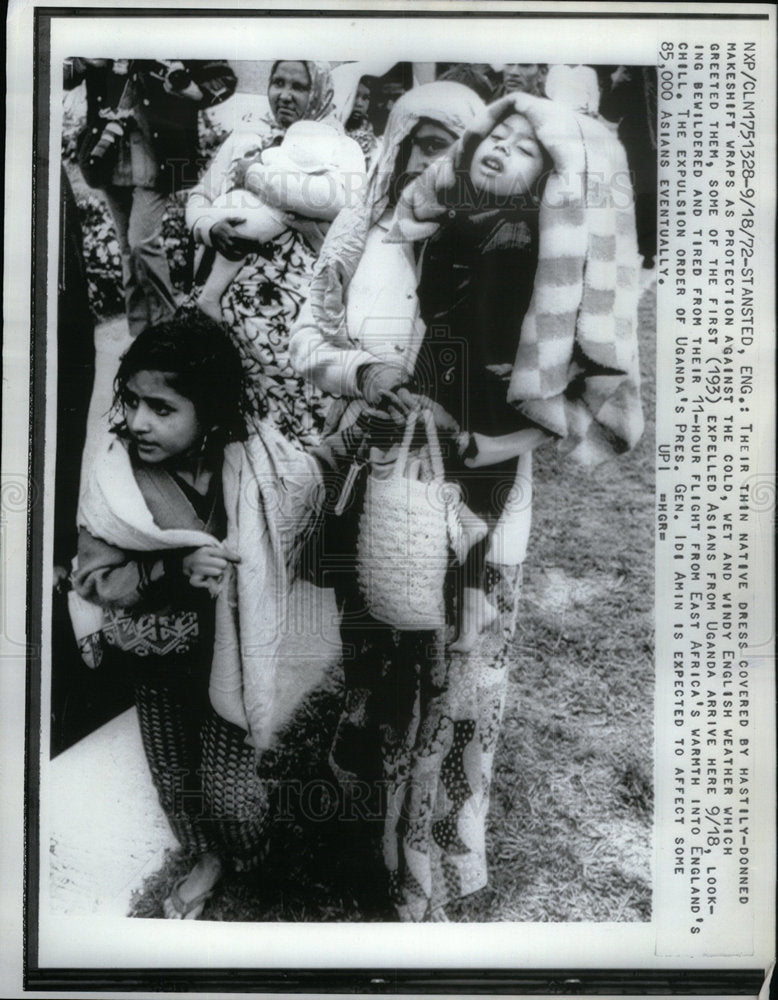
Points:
(574, 85)
(477, 76)
(529, 78)
(139, 146)
(628, 99)
(81, 699)
(355, 84)
(388, 90)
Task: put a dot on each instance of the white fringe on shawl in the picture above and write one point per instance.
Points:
(271, 491)
(576, 372)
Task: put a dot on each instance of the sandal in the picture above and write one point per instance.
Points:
(183, 909)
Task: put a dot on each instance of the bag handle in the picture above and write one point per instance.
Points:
(432, 438)
(405, 446)
(434, 443)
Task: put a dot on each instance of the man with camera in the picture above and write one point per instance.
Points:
(139, 146)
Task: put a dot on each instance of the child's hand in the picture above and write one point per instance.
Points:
(207, 564)
(227, 239)
(443, 419)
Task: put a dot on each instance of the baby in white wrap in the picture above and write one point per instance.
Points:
(308, 147)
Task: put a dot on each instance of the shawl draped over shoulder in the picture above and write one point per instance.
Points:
(272, 491)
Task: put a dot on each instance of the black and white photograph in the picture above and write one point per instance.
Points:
(373, 462)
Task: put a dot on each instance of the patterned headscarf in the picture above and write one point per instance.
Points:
(445, 103)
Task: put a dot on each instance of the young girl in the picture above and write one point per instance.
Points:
(180, 508)
(151, 553)
(535, 305)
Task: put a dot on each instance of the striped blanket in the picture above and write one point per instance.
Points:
(576, 372)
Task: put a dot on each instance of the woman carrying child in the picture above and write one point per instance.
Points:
(357, 338)
(186, 529)
(262, 268)
(528, 289)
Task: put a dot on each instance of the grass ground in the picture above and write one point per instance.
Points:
(569, 835)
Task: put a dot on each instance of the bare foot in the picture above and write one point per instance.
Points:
(189, 895)
(477, 615)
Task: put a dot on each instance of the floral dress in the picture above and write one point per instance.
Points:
(259, 309)
(418, 733)
(264, 299)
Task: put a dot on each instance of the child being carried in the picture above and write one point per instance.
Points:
(309, 149)
(479, 208)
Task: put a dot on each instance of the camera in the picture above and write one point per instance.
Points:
(171, 72)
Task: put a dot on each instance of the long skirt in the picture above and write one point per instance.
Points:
(203, 771)
(420, 726)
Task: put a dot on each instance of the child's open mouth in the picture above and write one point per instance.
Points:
(492, 164)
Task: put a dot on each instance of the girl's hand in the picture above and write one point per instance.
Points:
(207, 564)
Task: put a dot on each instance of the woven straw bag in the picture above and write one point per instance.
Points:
(402, 548)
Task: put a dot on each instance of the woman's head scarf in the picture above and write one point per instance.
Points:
(449, 104)
(443, 102)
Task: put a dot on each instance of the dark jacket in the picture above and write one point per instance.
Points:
(476, 283)
(168, 121)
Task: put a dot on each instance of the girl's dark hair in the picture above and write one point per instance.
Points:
(200, 363)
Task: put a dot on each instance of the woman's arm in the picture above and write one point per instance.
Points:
(332, 365)
(200, 215)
